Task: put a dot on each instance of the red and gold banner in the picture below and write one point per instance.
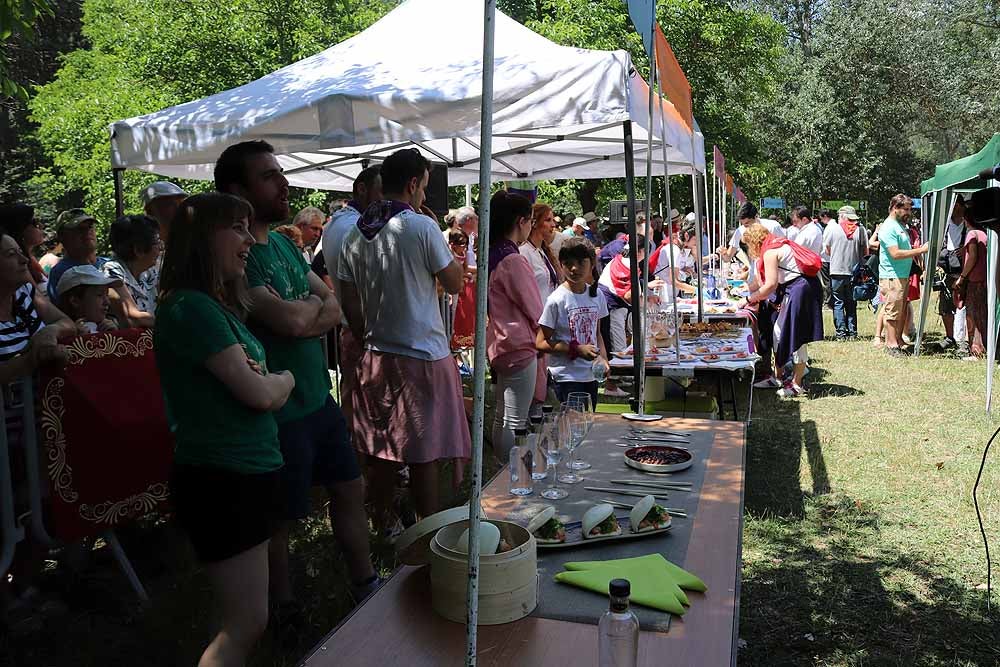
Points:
(673, 82)
(729, 183)
(105, 444)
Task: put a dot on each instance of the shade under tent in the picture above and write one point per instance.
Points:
(939, 194)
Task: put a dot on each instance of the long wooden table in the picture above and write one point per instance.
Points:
(397, 626)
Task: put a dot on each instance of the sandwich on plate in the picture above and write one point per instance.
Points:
(546, 527)
(647, 515)
(600, 521)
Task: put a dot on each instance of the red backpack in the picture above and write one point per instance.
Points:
(809, 263)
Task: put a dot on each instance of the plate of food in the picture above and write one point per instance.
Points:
(599, 524)
(741, 355)
(710, 357)
(658, 458)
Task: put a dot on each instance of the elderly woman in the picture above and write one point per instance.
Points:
(798, 299)
(18, 221)
(136, 242)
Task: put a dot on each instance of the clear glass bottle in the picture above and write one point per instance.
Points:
(618, 639)
(521, 464)
(535, 443)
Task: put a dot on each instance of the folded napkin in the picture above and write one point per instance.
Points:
(656, 582)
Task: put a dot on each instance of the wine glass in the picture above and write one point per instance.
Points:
(580, 401)
(572, 433)
(552, 445)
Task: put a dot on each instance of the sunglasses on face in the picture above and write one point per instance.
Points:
(459, 245)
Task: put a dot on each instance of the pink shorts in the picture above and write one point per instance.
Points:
(408, 410)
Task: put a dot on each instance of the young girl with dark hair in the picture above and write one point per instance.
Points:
(569, 331)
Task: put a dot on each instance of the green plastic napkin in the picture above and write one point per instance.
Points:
(656, 582)
(682, 577)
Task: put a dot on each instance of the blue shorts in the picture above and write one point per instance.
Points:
(317, 451)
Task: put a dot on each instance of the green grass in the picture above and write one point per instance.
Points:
(860, 542)
(861, 545)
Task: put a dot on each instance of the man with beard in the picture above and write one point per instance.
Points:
(290, 309)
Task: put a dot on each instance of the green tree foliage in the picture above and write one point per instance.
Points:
(145, 55)
(874, 93)
(18, 19)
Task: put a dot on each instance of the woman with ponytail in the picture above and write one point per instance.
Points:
(514, 307)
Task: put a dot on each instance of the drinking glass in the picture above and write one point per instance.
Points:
(552, 444)
(580, 401)
(573, 430)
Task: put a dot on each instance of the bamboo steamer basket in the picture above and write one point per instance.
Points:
(508, 581)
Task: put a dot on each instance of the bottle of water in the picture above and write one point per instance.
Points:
(600, 373)
(618, 639)
(521, 464)
(711, 291)
(535, 443)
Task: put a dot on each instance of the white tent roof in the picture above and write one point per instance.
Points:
(414, 78)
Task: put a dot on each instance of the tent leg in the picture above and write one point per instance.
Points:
(125, 564)
(638, 341)
(479, 370)
(119, 192)
(696, 201)
(991, 314)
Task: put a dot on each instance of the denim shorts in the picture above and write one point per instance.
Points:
(317, 451)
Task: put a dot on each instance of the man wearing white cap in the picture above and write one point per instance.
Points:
(847, 244)
(161, 199)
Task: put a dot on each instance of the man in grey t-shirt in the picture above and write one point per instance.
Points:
(846, 242)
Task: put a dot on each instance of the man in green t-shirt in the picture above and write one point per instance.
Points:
(291, 309)
(895, 261)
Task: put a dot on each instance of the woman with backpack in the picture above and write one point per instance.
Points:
(790, 273)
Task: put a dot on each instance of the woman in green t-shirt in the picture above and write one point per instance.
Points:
(219, 397)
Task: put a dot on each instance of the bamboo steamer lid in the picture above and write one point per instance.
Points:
(413, 545)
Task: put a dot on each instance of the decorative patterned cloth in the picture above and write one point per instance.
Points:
(105, 444)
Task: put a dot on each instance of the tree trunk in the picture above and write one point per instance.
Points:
(588, 195)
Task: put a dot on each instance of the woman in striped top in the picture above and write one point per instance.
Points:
(29, 331)
(30, 326)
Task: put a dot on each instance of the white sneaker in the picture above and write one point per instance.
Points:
(791, 390)
(615, 393)
(770, 382)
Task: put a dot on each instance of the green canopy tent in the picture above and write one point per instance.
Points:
(939, 194)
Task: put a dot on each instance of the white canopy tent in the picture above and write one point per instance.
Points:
(414, 79)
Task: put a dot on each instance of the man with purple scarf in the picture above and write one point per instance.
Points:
(408, 409)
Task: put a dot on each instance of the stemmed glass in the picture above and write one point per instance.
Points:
(552, 445)
(573, 430)
(580, 401)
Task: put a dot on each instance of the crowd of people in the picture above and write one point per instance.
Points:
(247, 309)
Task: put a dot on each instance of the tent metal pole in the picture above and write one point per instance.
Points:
(479, 370)
(696, 201)
(669, 226)
(468, 194)
(991, 314)
(643, 324)
(711, 218)
(933, 225)
(119, 192)
(638, 342)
